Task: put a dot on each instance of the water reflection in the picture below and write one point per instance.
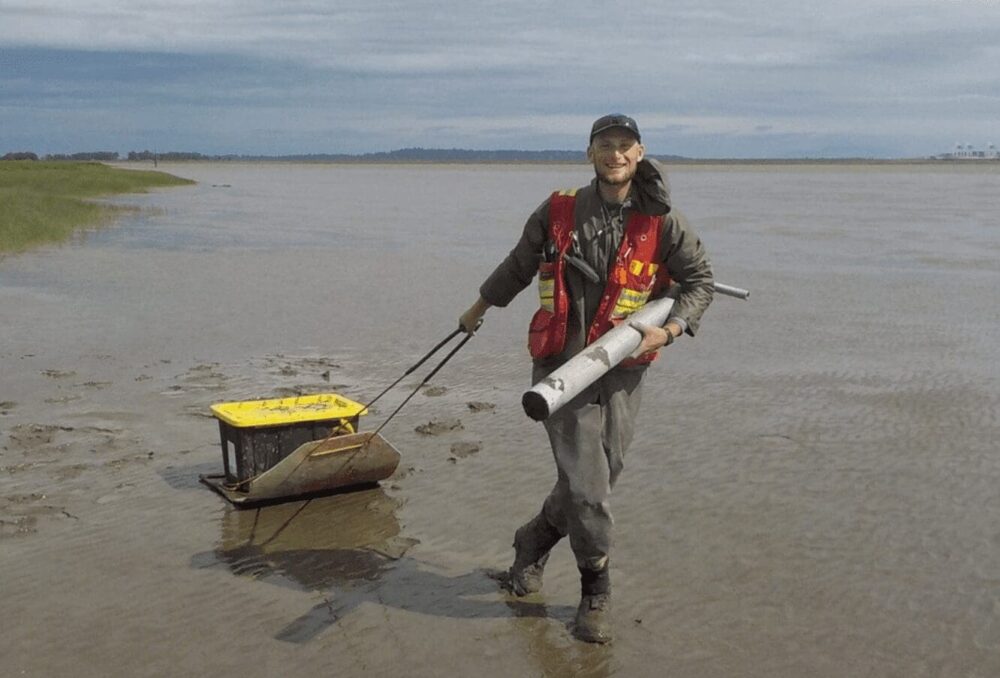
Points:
(348, 549)
(315, 544)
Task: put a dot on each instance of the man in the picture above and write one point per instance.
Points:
(601, 252)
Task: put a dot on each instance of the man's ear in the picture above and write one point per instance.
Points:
(590, 152)
(642, 152)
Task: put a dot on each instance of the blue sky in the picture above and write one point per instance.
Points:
(704, 78)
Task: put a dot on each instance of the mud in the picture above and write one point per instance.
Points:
(463, 450)
(811, 489)
(437, 428)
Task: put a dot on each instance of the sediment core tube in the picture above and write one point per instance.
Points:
(590, 364)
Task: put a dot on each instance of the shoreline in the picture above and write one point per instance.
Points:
(49, 201)
(777, 162)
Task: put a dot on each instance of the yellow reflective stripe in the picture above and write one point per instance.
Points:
(629, 306)
(569, 192)
(637, 267)
(546, 294)
(633, 295)
(629, 301)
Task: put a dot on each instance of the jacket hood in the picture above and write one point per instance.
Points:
(651, 187)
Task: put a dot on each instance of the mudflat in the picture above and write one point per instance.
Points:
(812, 491)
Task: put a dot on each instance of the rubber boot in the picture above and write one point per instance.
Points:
(593, 616)
(532, 543)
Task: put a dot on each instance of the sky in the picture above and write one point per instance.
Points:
(703, 78)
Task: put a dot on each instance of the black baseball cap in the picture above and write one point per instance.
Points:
(615, 120)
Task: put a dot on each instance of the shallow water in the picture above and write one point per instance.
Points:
(813, 489)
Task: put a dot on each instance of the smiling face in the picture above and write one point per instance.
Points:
(615, 154)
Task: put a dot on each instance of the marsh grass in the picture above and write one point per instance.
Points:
(45, 202)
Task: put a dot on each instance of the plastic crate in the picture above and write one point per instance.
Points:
(257, 434)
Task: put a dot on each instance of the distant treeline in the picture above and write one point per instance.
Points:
(457, 155)
(401, 155)
(448, 155)
(101, 156)
(172, 155)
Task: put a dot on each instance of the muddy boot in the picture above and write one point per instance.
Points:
(532, 543)
(593, 616)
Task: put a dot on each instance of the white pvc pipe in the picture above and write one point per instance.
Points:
(731, 291)
(590, 364)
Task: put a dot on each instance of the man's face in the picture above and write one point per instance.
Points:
(615, 154)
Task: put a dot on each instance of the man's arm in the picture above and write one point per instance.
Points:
(683, 253)
(514, 273)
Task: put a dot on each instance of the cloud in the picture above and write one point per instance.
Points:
(481, 74)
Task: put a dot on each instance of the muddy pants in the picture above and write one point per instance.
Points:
(589, 436)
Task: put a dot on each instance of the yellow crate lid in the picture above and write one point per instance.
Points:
(281, 411)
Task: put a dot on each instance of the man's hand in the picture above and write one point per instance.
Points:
(654, 338)
(470, 320)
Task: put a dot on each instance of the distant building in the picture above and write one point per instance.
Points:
(970, 152)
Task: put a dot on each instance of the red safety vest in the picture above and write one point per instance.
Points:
(633, 278)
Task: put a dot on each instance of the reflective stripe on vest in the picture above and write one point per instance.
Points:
(547, 332)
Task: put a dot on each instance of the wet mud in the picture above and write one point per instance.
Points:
(811, 489)
(437, 428)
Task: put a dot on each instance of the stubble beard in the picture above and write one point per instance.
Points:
(616, 183)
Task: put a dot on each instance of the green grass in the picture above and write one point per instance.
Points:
(45, 202)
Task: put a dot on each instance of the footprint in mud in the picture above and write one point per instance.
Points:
(62, 400)
(463, 450)
(478, 406)
(206, 377)
(312, 363)
(58, 374)
(18, 527)
(6, 406)
(95, 384)
(67, 451)
(118, 464)
(436, 428)
(433, 391)
(11, 469)
(24, 498)
(69, 472)
(20, 514)
(291, 366)
(28, 436)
